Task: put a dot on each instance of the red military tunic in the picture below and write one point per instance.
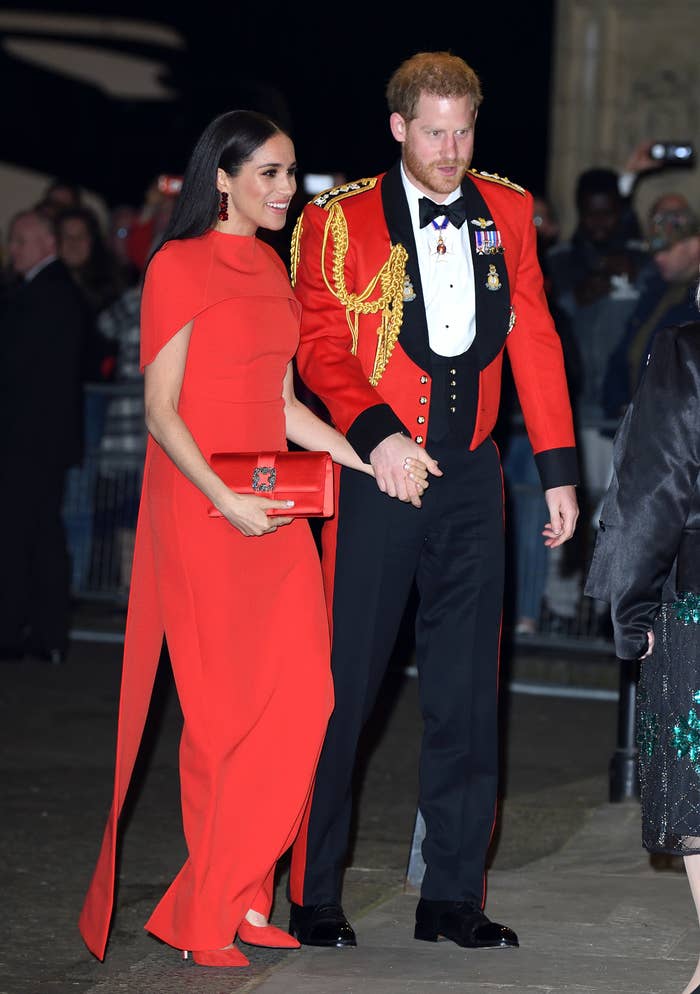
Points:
(355, 285)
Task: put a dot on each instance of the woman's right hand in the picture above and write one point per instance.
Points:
(250, 514)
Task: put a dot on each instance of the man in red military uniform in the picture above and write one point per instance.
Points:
(412, 283)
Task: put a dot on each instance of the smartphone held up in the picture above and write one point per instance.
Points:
(672, 153)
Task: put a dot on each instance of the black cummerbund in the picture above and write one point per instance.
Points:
(453, 398)
(688, 563)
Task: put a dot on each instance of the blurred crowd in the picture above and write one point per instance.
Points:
(69, 348)
(612, 284)
(71, 289)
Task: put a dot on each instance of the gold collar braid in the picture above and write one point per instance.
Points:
(391, 278)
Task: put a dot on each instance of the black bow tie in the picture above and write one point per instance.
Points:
(456, 212)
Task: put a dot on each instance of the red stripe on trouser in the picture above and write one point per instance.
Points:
(498, 676)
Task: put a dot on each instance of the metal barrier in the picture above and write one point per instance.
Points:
(102, 494)
(560, 615)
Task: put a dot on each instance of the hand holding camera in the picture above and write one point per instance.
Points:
(650, 155)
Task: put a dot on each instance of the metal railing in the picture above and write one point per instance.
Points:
(102, 493)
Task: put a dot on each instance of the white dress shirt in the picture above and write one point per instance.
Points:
(447, 280)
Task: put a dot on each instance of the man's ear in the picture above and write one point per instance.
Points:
(398, 127)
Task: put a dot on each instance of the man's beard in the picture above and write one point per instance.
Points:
(427, 174)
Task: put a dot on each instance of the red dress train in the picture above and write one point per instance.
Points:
(244, 618)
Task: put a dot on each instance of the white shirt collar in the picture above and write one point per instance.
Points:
(413, 195)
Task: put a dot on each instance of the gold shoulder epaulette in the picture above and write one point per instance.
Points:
(495, 178)
(332, 196)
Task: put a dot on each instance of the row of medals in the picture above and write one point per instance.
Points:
(492, 280)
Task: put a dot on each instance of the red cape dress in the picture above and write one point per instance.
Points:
(243, 618)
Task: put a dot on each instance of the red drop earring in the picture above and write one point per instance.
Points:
(223, 206)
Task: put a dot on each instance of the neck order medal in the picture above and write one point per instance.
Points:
(440, 248)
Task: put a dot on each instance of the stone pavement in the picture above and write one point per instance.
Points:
(593, 912)
(593, 917)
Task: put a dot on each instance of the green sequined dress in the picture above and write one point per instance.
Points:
(668, 731)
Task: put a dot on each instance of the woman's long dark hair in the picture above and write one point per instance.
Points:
(100, 277)
(226, 143)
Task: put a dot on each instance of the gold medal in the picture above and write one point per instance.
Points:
(493, 281)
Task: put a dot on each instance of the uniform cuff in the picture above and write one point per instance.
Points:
(629, 649)
(557, 468)
(372, 427)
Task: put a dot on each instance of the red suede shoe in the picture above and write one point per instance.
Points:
(266, 935)
(217, 957)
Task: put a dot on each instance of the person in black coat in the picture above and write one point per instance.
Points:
(43, 327)
(646, 565)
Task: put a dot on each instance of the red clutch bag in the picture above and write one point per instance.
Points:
(304, 477)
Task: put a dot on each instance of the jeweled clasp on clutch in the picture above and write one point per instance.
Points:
(264, 478)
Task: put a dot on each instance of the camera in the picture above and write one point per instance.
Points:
(673, 153)
(170, 185)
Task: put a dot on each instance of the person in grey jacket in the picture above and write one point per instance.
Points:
(646, 565)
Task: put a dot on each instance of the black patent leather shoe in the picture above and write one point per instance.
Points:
(462, 923)
(321, 925)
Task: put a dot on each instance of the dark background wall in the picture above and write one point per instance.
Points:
(323, 67)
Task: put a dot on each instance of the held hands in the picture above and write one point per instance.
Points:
(250, 514)
(401, 468)
(563, 514)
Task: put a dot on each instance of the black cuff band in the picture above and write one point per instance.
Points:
(372, 427)
(557, 468)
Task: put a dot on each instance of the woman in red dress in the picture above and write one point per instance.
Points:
(238, 597)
